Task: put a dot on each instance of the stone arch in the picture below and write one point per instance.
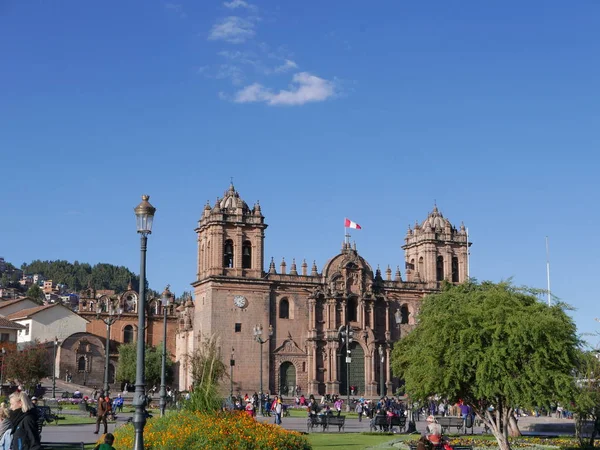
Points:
(287, 378)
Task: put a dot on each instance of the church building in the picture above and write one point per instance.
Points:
(305, 315)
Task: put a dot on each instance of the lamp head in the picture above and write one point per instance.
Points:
(166, 296)
(398, 316)
(144, 213)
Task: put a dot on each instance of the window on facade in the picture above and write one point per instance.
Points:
(27, 330)
(421, 266)
(284, 309)
(454, 269)
(81, 364)
(238, 327)
(4, 337)
(228, 253)
(439, 268)
(404, 314)
(352, 310)
(246, 255)
(128, 334)
(304, 367)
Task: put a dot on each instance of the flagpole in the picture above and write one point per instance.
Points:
(548, 269)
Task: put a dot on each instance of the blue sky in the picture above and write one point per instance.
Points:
(320, 110)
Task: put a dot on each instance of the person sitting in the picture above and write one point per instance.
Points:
(433, 431)
(380, 413)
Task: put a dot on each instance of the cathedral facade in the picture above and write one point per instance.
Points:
(305, 314)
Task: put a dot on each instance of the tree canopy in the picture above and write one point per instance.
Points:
(127, 364)
(494, 346)
(28, 366)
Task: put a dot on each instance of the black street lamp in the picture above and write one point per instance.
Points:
(112, 316)
(258, 329)
(144, 214)
(53, 367)
(398, 317)
(231, 364)
(346, 335)
(381, 378)
(166, 301)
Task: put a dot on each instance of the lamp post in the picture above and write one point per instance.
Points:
(53, 367)
(398, 317)
(231, 364)
(144, 214)
(381, 378)
(112, 316)
(346, 334)
(258, 330)
(166, 301)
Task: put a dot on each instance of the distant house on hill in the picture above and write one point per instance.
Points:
(8, 307)
(47, 322)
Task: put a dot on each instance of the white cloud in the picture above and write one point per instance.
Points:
(305, 88)
(234, 4)
(287, 65)
(232, 29)
(231, 72)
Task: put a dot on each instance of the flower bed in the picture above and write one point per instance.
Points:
(222, 431)
(529, 443)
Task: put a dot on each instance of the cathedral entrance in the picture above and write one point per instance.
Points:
(356, 369)
(287, 378)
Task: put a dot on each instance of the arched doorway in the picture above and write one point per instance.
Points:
(287, 378)
(356, 369)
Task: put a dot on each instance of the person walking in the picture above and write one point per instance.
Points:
(101, 414)
(24, 423)
(359, 411)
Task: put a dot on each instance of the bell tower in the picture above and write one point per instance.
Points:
(231, 238)
(436, 251)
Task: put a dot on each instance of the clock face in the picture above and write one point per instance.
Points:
(239, 301)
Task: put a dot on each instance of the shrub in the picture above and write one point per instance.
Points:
(219, 431)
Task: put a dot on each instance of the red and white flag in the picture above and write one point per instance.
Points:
(349, 224)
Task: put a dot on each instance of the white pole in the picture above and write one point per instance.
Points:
(548, 269)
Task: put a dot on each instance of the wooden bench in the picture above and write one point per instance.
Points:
(387, 423)
(63, 446)
(45, 414)
(325, 421)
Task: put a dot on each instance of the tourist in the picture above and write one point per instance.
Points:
(433, 431)
(109, 439)
(24, 422)
(338, 406)
(278, 411)
(249, 408)
(359, 411)
(101, 414)
(5, 428)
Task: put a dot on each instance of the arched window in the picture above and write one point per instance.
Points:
(421, 267)
(284, 309)
(439, 268)
(404, 314)
(246, 255)
(228, 253)
(128, 334)
(352, 310)
(81, 364)
(454, 269)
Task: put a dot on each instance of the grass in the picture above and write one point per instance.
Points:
(351, 441)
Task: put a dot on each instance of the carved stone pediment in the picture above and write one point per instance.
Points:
(289, 348)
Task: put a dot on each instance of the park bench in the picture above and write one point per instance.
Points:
(387, 423)
(45, 414)
(450, 422)
(325, 421)
(63, 446)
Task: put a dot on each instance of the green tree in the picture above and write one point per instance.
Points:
(35, 293)
(126, 369)
(587, 399)
(28, 366)
(207, 371)
(494, 346)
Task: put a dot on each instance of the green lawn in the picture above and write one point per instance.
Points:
(352, 441)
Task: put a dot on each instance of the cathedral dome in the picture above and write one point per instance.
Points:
(434, 220)
(231, 201)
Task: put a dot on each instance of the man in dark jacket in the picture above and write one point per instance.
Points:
(24, 423)
(102, 413)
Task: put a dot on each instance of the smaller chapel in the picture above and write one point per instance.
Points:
(303, 312)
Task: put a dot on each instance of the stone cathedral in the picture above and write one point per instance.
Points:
(306, 308)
